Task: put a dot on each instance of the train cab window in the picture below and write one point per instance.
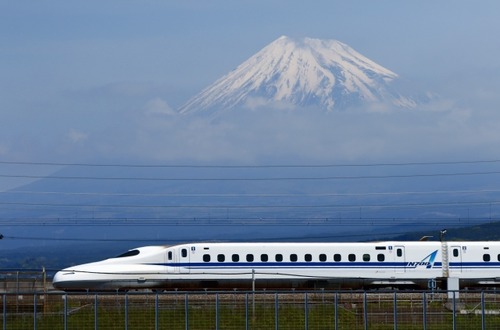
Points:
(366, 257)
(352, 257)
(170, 255)
(380, 257)
(293, 257)
(206, 257)
(279, 257)
(322, 257)
(221, 258)
(337, 257)
(264, 257)
(455, 253)
(184, 253)
(308, 257)
(130, 253)
(249, 257)
(486, 257)
(399, 252)
(235, 257)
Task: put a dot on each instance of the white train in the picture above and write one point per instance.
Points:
(449, 265)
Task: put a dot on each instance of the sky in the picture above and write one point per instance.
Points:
(99, 80)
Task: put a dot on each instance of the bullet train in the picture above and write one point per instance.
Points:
(418, 264)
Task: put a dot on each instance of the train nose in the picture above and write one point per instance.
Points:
(62, 278)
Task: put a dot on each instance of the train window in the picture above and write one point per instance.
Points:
(380, 257)
(184, 253)
(337, 257)
(399, 252)
(366, 257)
(322, 257)
(170, 255)
(264, 257)
(206, 257)
(352, 257)
(498, 257)
(486, 257)
(130, 253)
(455, 253)
(235, 257)
(249, 257)
(293, 257)
(221, 258)
(279, 257)
(308, 257)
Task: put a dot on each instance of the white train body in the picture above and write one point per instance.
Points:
(289, 265)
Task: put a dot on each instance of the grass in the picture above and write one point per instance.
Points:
(235, 311)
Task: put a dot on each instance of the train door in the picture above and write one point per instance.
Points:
(456, 259)
(170, 261)
(400, 259)
(183, 260)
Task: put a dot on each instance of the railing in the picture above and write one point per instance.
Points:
(319, 309)
(23, 280)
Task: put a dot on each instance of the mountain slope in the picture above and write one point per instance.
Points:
(300, 73)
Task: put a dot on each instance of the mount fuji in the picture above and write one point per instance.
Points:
(297, 73)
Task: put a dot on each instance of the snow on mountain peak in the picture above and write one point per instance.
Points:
(300, 72)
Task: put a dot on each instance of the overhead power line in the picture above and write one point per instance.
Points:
(259, 195)
(245, 221)
(249, 206)
(356, 177)
(248, 166)
(170, 240)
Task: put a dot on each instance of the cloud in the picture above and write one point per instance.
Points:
(264, 134)
(158, 106)
(254, 103)
(144, 127)
(77, 136)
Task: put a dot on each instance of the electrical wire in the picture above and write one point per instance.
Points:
(248, 166)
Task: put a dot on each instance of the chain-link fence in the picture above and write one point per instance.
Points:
(247, 310)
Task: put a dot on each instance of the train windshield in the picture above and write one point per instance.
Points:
(130, 253)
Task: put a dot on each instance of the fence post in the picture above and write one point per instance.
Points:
(454, 311)
(186, 310)
(65, 307)
(276, 311)
(365, 309)
(247, 326)
(424, 310)
(483, 306)
(4, 304)
(217, 311)
(336, 310)
(306, 311)
(395, 302)
(157, 322)
(34, 311)
(96, 313)
(126, 311)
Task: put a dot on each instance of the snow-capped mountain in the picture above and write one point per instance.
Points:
(301, 73)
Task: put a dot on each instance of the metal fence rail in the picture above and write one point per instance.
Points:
(252, 310)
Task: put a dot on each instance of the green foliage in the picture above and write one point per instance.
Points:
(484, 232)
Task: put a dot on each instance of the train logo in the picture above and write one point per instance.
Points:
(428, 261)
